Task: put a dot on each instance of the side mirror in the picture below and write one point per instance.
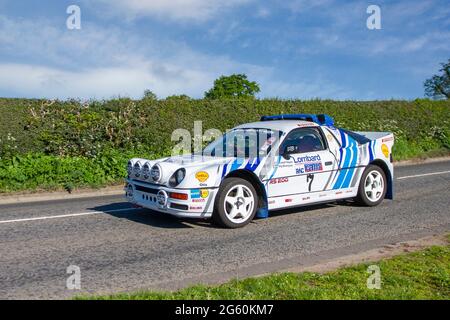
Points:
(290, 149)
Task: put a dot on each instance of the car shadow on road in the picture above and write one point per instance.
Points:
(149, 217)
(122, 210)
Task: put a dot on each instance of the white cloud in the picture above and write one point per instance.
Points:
(100, 63)
(39, 81)
(429, 42)
(26, 80)
(94, 62)
(194, 10)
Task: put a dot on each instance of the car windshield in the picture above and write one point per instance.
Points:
(243, 143)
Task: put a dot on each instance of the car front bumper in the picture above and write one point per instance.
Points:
(199, 202)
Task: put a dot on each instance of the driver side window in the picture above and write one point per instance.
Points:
(303, 140)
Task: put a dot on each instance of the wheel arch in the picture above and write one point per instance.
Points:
(389, 178)
(262, 208)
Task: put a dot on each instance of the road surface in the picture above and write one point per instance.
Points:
(118, 248)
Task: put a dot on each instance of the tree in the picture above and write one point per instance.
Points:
(438, 86)
(149, 95)
(236, 85)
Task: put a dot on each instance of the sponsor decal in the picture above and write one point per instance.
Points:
(284, 164)
(195, 194)
(387, 139)
(309, 167)
(287, 200)
(198, 200)
(271, 201)
(385, 150)
(199, 193)
(291, 149)
(195, 208)
(202, 176)
(306, 198)
(204, 193)
(307, 159)
(279, 180)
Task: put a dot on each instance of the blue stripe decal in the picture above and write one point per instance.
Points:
(343, 138)
(253, 164)
(370, 152)
(341, 152)
(343, 170)
(224, 169)
(350, 157)
(350, 173)
(236, 164)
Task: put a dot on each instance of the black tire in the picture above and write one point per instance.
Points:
(376, 197)
(220, 216)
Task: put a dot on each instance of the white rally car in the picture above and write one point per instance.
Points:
(279, 162)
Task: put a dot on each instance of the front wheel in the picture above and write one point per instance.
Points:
(372, 187)
(236, 203)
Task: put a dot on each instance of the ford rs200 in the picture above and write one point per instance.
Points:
(278, 162)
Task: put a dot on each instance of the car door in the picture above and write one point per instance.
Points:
(306, 165)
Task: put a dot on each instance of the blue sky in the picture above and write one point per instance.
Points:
(293, 49)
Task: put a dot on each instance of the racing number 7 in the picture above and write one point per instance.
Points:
(309, 179)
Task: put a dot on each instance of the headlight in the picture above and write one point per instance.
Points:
(137, 169)
(146, 171)
(177, 177)
(129, 168)
(156, 173)
(161, 198)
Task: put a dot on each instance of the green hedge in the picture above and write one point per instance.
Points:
(55, 144)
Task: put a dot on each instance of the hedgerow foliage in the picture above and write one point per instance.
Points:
(65, 143)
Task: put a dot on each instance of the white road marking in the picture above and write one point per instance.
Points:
(68, 215)
(423, 175)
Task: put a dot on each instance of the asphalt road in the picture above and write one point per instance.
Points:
(122, 249)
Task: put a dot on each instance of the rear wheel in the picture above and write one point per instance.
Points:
(372, 187)
(235, 204)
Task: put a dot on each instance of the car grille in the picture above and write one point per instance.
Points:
(146, 189)
(179, 206)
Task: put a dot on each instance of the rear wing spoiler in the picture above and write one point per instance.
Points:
(372, 135)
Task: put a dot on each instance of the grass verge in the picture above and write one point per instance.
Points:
(420, 275)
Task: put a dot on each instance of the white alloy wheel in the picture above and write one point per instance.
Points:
(239, 203)
(374, 186)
